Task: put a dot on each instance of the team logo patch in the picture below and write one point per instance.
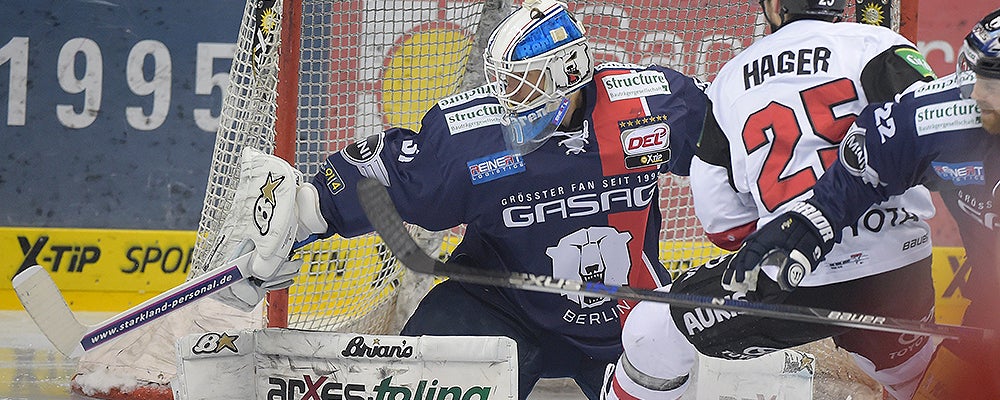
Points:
(495, 166)
(333, 181)
(949, 116)
(961, 174)
(646, 141)
(364, 154)
(916, 60)
(635, 85)
(598, 254)
(853, 154)
(366, 150)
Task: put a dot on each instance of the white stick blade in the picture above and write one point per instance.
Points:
(44, 303)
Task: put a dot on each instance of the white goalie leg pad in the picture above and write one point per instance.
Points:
(293, 364)
(264, 214)
(658, 358)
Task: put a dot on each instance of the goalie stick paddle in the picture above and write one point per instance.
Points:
(45, 304)
(382, 214)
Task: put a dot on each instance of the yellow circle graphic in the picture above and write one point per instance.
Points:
(423, 68)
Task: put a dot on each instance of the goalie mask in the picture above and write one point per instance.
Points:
(535, 58)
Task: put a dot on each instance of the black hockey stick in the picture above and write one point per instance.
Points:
(383, 215)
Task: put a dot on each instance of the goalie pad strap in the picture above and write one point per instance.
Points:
(651, 382)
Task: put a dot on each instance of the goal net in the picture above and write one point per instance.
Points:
(310, 77)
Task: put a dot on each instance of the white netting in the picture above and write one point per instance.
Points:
(363, 66)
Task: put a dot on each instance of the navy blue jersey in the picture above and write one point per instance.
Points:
(591, 216)
(930, 136)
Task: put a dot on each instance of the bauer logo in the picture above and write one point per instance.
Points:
(635, 85)
(961, 174)
(495, 166)
(948, 116)
(467, 119)
(357, 347)
(325, 387)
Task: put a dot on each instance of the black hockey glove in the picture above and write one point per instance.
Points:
(795, 242)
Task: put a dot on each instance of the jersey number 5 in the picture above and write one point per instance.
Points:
(780, 119)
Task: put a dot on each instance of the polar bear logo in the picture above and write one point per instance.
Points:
(594, 254)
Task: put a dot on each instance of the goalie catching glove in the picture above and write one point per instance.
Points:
(265, 218)
(794, 242)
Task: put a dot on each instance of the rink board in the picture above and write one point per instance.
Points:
(111, 270)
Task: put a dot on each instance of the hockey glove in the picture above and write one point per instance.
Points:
(794, 242)
(262, 219)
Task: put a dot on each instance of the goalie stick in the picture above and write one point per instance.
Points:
(382, 214)
(42, 300)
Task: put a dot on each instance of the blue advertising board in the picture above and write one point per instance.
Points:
(108, 111)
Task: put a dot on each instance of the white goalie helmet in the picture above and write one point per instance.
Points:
(540, 36)
(535, 58)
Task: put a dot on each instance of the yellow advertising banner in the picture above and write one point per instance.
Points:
(112, 270)
(97, 269)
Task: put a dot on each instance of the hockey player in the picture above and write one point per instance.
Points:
(944, 135)
(779, 110)
(552, 166)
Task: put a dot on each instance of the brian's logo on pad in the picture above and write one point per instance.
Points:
(646, 141)
(357, 347)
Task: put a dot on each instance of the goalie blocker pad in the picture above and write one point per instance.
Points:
(291, 365)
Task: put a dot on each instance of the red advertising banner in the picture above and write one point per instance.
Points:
(941, 26)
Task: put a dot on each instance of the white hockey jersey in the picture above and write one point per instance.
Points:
(780, 109)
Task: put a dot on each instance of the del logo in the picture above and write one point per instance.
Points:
(646, 140)
(961, 174)
(323, 388)
(358, 348)
(495, 166)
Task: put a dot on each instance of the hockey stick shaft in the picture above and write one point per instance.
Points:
(382, 214)
(46, 306)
